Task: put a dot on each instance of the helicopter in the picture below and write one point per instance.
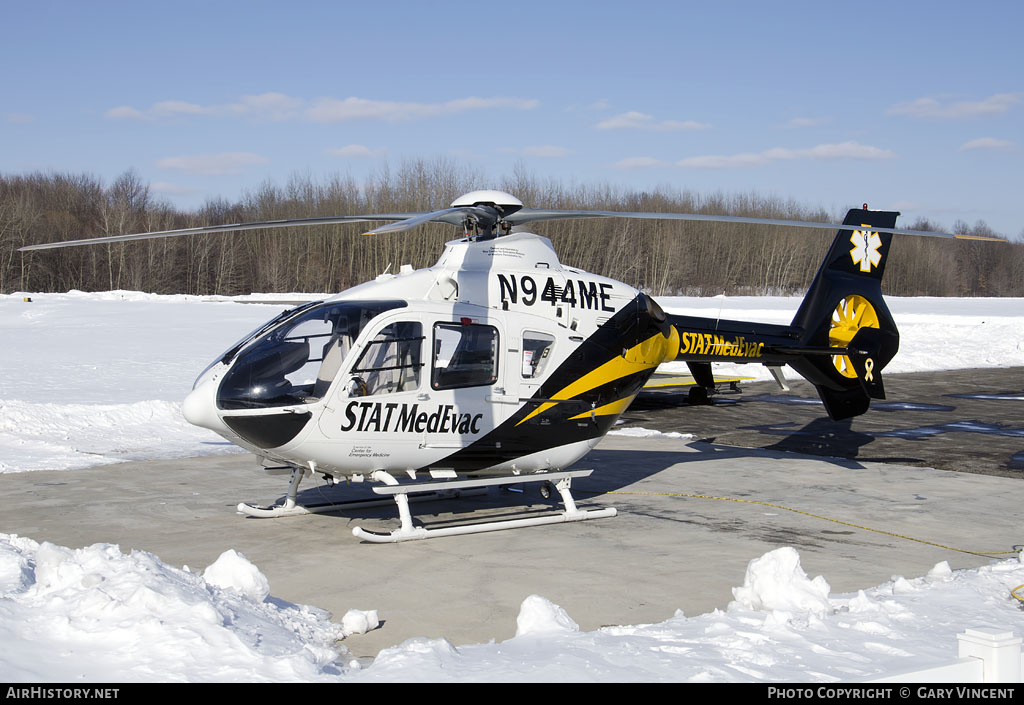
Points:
(500, 365)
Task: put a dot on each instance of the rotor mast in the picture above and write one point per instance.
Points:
(486, 220)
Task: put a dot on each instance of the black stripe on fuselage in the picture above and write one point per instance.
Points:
(555, 426)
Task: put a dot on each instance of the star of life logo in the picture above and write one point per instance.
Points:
(865, 249)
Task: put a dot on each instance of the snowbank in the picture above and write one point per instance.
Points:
(783, 627)
(98, 615)
(71, 436)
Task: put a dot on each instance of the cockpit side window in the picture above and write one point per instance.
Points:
(296, 360)
(391, 362)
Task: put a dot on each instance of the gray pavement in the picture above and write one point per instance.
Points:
(663, 552)
(961, 420)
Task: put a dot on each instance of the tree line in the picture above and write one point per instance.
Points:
(662, 257)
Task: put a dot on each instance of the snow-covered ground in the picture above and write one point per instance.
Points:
(89, 379)
(99, 378)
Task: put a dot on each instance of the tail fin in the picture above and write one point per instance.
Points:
(844, 308)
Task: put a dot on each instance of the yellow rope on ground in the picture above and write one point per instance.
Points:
(1013, 593)
(819, 516)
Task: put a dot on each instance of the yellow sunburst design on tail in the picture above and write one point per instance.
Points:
(853, 313)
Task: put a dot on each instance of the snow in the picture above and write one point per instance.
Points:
(97, 615)
(777, 583)
(538, 615)
(636, 432)
(935, 333)
(91, 379)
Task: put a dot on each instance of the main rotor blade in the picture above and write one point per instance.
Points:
(529, 215)
(452, 216)
(484, 216)
(208, 230)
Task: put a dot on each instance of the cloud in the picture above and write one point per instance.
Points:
(173, 108)
(280, 107)
(844, 150)
(125, 112)
(934, 108)
(545, 151)
(798, 123)
(716, 161)
(356, 151)
(642, 121)
(988, 143)
(272, 106)
(212, 164)
(638, 163)
(18, 118)
(163, 109)
(267, 106)
(333, 110)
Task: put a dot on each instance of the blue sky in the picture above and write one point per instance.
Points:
(917, 106)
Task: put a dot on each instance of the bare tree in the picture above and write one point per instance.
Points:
(663, 257)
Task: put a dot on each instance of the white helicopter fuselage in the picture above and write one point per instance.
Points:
(496, 360)
(501, 364)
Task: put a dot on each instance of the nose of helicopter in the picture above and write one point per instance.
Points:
(200, 408)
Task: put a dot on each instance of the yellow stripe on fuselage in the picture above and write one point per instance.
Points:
(616, 407)
(650, 353)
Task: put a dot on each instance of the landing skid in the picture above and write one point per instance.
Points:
(291, 508)
(408, 532)
(402, 495)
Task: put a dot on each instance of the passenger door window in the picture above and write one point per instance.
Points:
(536, 353)
(465, 355)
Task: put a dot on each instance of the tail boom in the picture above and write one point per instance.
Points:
(841, 337)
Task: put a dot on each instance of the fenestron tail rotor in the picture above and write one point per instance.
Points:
(851, 315)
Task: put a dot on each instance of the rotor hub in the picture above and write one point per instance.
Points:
(504, 203)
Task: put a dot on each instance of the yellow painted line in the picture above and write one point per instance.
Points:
(680, 381)
(685, 381)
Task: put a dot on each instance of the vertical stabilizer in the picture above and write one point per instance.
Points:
(844, 310)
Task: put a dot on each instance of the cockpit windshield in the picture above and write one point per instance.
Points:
(295, 361)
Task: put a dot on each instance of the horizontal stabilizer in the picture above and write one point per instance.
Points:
(870, 350)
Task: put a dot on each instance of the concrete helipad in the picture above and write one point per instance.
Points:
(666, 549)
(961, 420)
